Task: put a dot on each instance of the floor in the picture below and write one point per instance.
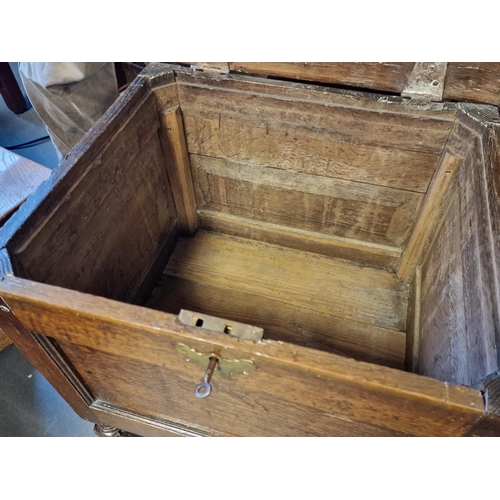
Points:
(29, 405)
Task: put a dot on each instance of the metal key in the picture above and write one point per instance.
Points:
(203, 389)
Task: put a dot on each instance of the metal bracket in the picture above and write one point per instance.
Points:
(219, 325)
(426, 81)
(217, 68)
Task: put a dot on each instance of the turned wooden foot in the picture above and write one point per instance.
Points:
(107, 431)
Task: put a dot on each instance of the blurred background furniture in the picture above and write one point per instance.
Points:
(10, 90)
(19, 177)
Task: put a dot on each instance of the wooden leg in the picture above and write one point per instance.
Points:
(107, 431)
(4, 341)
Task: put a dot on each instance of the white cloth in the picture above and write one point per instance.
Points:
(69, 97)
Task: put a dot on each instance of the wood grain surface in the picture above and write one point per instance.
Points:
(305, 280)
(413, 322)
(283, 321)
(19, 177)
(377, 76)
(285, 169)
(412, 133)
(319, 94)
(363, 252)
(472, 82)
(300, 391)
(492, 189)
(301, 148)
(104, 246)
(307, 202)
(429, 216)
(459, 282)
(178, 169)
(288, 156)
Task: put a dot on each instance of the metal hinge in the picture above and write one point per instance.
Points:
(216, 68)
(426, 82)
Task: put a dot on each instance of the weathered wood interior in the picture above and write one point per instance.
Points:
(342, 223)
(298, 297)
(465, 81)
(457, 280)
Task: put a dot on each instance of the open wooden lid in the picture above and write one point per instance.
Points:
(462, 82)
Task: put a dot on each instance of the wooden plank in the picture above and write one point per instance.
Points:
(161, 395)
(331, 206)
(481, 320)
(309, 281)
(461, 140)
(306, 150)
(19, 177)
(282, 321)
(478, 118)
(140, 424)
(413, 322)
(312, 184)
(459, 310)
(473, 82)
(389, 77)
(320, 94)
(489, 424)
(492, 188)
(360, 126)
(442, 304)
(334, 246)
(300, 391)
(428, 217)
(166, 97)
(178, 169)
(158, 74)
(104, 247)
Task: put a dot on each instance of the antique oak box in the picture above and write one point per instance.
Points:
(335, 254)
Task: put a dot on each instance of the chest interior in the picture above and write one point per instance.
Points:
(316, 214)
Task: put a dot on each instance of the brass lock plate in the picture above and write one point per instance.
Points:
(219, 325)
(225, 367)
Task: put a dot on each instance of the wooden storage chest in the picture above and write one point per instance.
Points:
(358, 230)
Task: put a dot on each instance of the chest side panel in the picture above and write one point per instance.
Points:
(459, 295)
(109, 214)
(129, 357)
